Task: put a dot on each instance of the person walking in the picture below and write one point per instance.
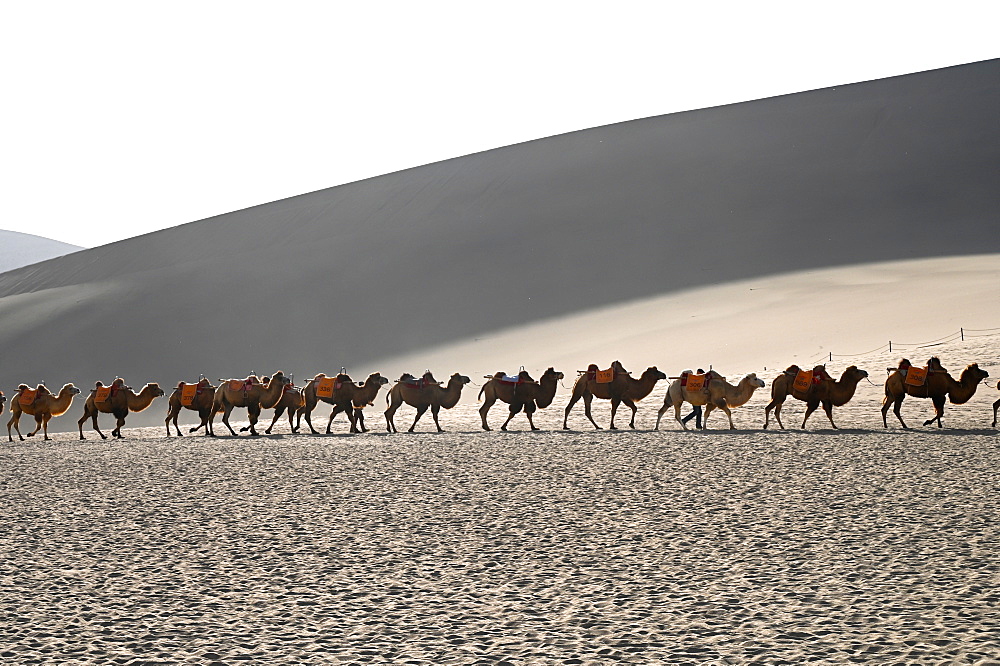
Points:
(695, 411)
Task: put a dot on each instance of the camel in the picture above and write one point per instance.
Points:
(345, 396)
(43, 408)
(827, 391)
(526, 394)
(937, 386)
(291, 399)
(202, 402)
(249, 393)
(621, 389)
(121, 400)
(996, 405)
(3, 399)
(423, 394)
(718, 394)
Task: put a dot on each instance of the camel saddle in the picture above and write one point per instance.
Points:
(102, 393)
(327, 385)
(27, 396)
(245, 385)
(418, 382)
(695, 382)
(916, 376)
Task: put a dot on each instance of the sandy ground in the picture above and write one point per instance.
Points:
(862, 545)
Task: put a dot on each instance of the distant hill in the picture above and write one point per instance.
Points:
(17, 249)
(898, 168)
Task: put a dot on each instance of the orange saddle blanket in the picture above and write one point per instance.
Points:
(916, 376)
(695, 383)
(188, 393)
(27, 396)
(803, 380)
(102, 394)
(605, 376)
(326, 386)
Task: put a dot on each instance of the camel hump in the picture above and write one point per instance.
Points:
(792, 369)
(99, 384)
(341, 377)
(23, 387)
(406, 376)
(592, 367)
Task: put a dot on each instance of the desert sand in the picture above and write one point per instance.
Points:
(863, 545)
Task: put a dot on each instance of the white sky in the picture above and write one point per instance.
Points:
(120, 118)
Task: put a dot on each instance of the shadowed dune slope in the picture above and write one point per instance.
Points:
(898, 168)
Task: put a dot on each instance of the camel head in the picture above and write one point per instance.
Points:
(155, 389)
(459, 378)
(552, 373)
(279, 377)
(974, 374)
(653, 372)
(754, 380)
(853, 372)
(376, 378)
(70, 389)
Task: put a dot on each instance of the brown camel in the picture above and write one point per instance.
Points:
(826, 391)
(937, 386)
(344, 395)
(119, 400)
(622, 389)
(199, 397)
(718, 394)
(996, 405)
(423, 393)
(43, 407)
(249, 393)
(524, 393)
(291, 399)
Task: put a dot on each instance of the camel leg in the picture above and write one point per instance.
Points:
(277, 415)
(709, 408)
(434, 412)
(810, 408)
(631, 405)
(38, 425)
(420, 412)
(828, 408)
(225, 418)
(359, 419)
(117, 432)
(572, 401)
(485, 409)
(307, 412)
(587, 399)
(724, 407)
(13, 422)
(390, 414)
(170, 412)
(677, 415)
(896, 404)
(515, 408)
(253, 411)
(614, 409)
(775, 404)
(529, 409)
(938, 411)
(661, 412)
(996, 405)
(45, 426)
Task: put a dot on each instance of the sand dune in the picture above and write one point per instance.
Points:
(895, 169)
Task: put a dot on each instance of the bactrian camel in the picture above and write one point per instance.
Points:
(291, 400)
(346, 396)
(43, 408)
(251, 394)
(996, 405)
(718, 394)
(826, 392)
(423, 394)
(202, 402)
(622, 389)
(937, 386)
(120, 402)
(526, 394)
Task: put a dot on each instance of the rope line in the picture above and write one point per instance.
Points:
(962, 334)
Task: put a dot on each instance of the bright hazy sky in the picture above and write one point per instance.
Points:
(121, 118)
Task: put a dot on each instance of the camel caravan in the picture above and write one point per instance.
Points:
(703, 392)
